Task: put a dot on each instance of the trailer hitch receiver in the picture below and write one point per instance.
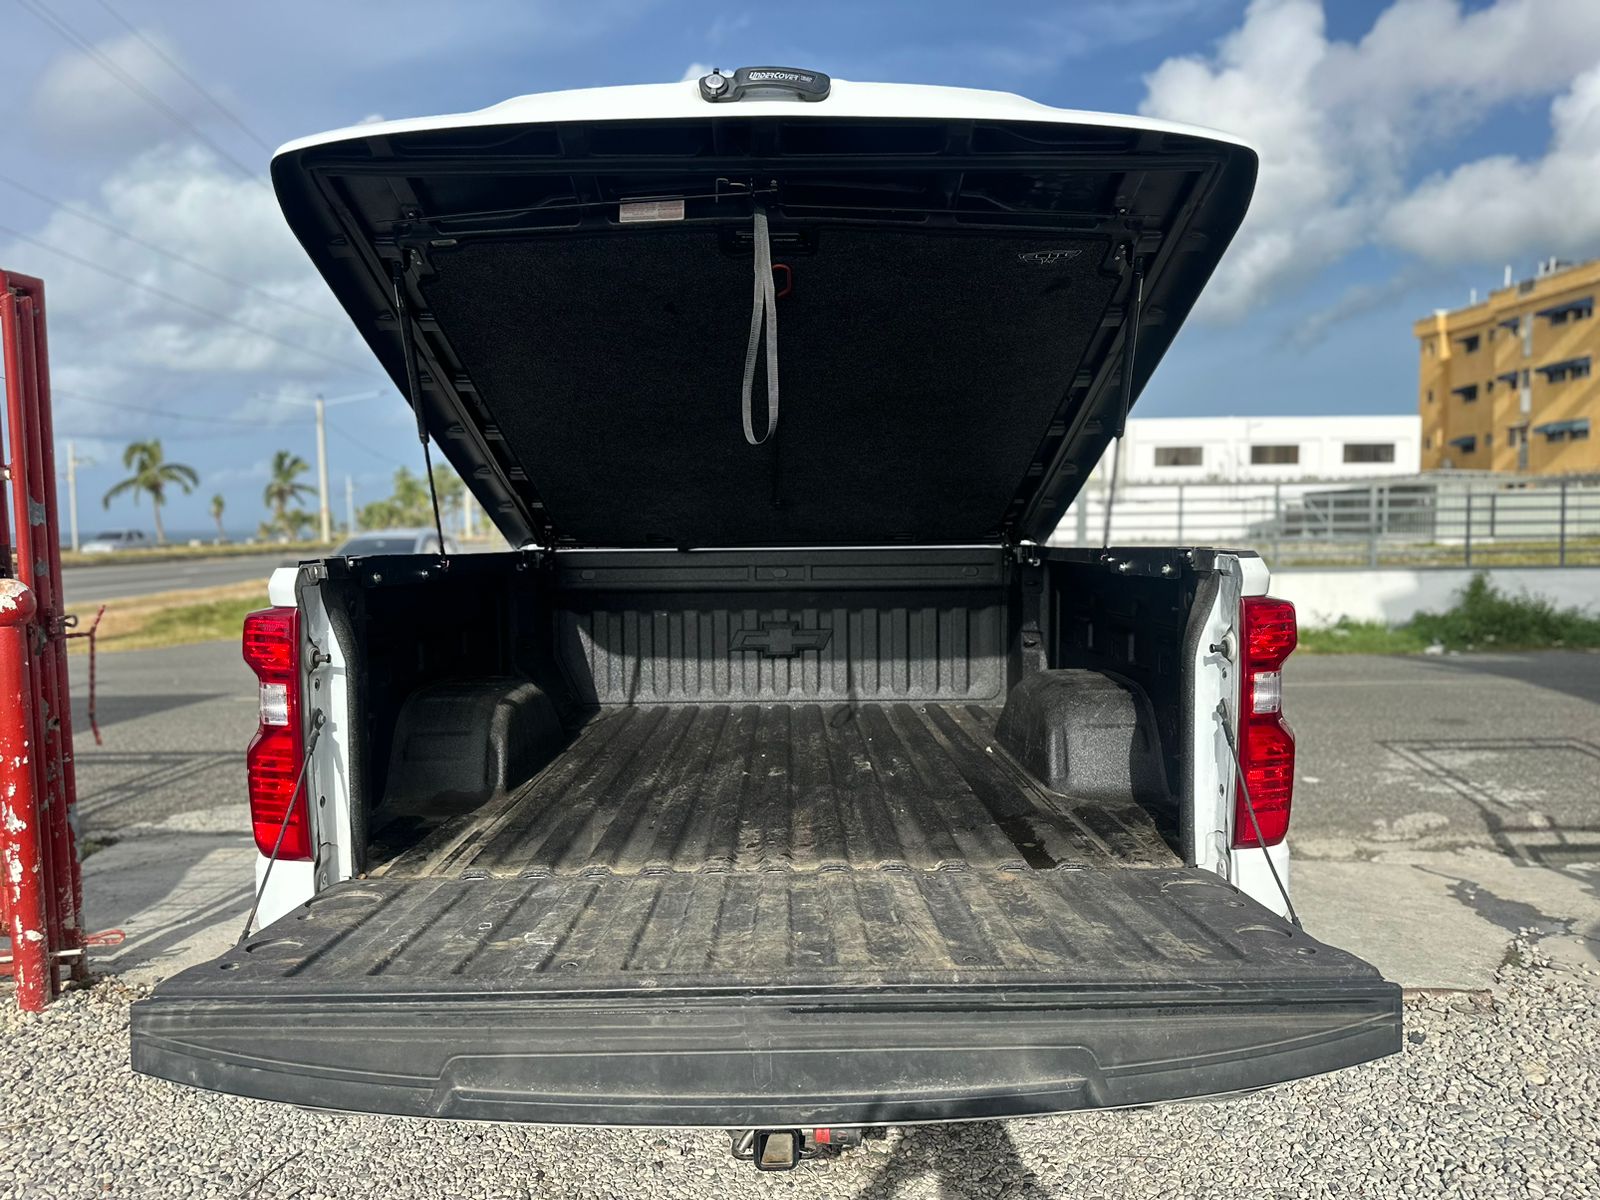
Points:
(770, 1149)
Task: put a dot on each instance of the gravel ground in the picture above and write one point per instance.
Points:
(1493, 1097)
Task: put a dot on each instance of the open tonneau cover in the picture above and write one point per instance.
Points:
(838, 996)
(957, 274)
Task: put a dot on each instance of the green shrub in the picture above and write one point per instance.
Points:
(1481, 618)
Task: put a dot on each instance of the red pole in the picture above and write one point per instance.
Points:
(5, 550)
(62, 864)
(16, 427)
(41, 897)
(21, 835)
(27, 503)
(58, 633)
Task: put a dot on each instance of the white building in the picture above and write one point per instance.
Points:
(1228, 480)
(1267, 449)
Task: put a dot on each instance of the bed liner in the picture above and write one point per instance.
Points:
(803, 786)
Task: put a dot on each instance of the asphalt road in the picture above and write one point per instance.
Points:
(1495, 751)
(1459, 792)
(120, 580)
(1490, 1097)
(175, 724)
(1499, 751)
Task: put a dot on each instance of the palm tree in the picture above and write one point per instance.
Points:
(152, 473)
(284, 488)
(217, 505)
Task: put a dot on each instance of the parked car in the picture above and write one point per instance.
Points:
(784, 780)
(115, 540)
(395, 541)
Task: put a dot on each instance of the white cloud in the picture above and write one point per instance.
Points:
(293, 403)
(1338, 124)
(1355, 301)
(724, 26)
(1072, 31)
(693, 71)
(1505, 208)
(257, 472)
(1432, 49)
(269, 312)
(284, 404)
(77, 104)
(1260, 85)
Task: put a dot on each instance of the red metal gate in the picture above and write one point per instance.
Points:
(41, 892)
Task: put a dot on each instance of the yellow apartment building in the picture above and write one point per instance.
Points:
(1510, 384)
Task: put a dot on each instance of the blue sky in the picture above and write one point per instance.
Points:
(1411, 149)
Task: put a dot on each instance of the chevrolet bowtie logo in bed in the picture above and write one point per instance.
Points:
(782, 639)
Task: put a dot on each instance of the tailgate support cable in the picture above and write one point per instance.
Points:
(283, 826)
(1130, 348)
(408, 350)
(1250, 808)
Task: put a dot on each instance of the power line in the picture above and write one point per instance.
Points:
(240, 427)
(158, 412)
(171, 299)
(363, 447)
(311, 402)
(85, 215)
(38, 9)
(93, 435)
(177, 69)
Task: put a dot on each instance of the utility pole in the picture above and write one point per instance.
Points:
(322, 470)
(466, 513)
(72, 492)
(350, 505)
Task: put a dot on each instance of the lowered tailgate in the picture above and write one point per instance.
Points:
(830, 997)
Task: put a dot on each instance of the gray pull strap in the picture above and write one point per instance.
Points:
(763, 308)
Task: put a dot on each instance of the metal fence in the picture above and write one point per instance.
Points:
(1411, 521)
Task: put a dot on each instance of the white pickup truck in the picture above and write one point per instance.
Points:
(783, 779)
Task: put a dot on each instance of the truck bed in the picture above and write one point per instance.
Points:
(761, 787)
(746, 912)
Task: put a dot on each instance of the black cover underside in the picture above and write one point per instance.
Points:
(920, 371)
(754, 787)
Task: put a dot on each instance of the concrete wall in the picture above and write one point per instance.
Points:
(1396, 595)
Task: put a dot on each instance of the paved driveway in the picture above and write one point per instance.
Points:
(1460, 790)
(1416, 832)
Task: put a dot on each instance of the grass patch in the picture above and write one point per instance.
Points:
(1493, 552)
(93, 845)
(172, 618)
(289, 551)
(1361, 637)
(1482, 618)
(212, 621)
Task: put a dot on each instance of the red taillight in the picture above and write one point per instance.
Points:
(272, 651)
(1270, 631)
(1266, 743)
(270, 642)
